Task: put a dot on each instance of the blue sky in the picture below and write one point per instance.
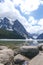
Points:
(28, 12)
(38, 14)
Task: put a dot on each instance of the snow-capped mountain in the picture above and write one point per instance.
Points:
(17, 26)
(40, 36)
(5, 23)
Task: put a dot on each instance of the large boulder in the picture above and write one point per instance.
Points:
(9, 52)
(6, 55)
(19, 59)
(16, 52)
(1, 64)
(3, 47)
(40, 46)
(4, 58)
(38, 60)
(29, 51)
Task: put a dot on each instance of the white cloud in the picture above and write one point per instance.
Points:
(8, 9)
(40, 22)
(41, 2)
(29, 5)
(26, 6)
(34, 29)
(32, 21)
(16, 3)
(3, 8)
(38, 25)
(6, 6)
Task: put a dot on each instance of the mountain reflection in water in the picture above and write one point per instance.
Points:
(26, 41)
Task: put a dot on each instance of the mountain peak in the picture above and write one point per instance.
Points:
(17, 26)
(6, 19)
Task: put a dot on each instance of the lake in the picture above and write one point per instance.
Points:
(16, 43)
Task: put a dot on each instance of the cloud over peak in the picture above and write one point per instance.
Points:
(26, 6)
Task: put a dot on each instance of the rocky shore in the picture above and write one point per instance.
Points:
(25, 55)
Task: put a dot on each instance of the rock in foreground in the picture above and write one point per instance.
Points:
(38, 60)
(6, 55)
(40, 46)
(29, 51)
(1, 64)
(19, 59)
(3, 47)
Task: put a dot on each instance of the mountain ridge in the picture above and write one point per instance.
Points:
(17, 26)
